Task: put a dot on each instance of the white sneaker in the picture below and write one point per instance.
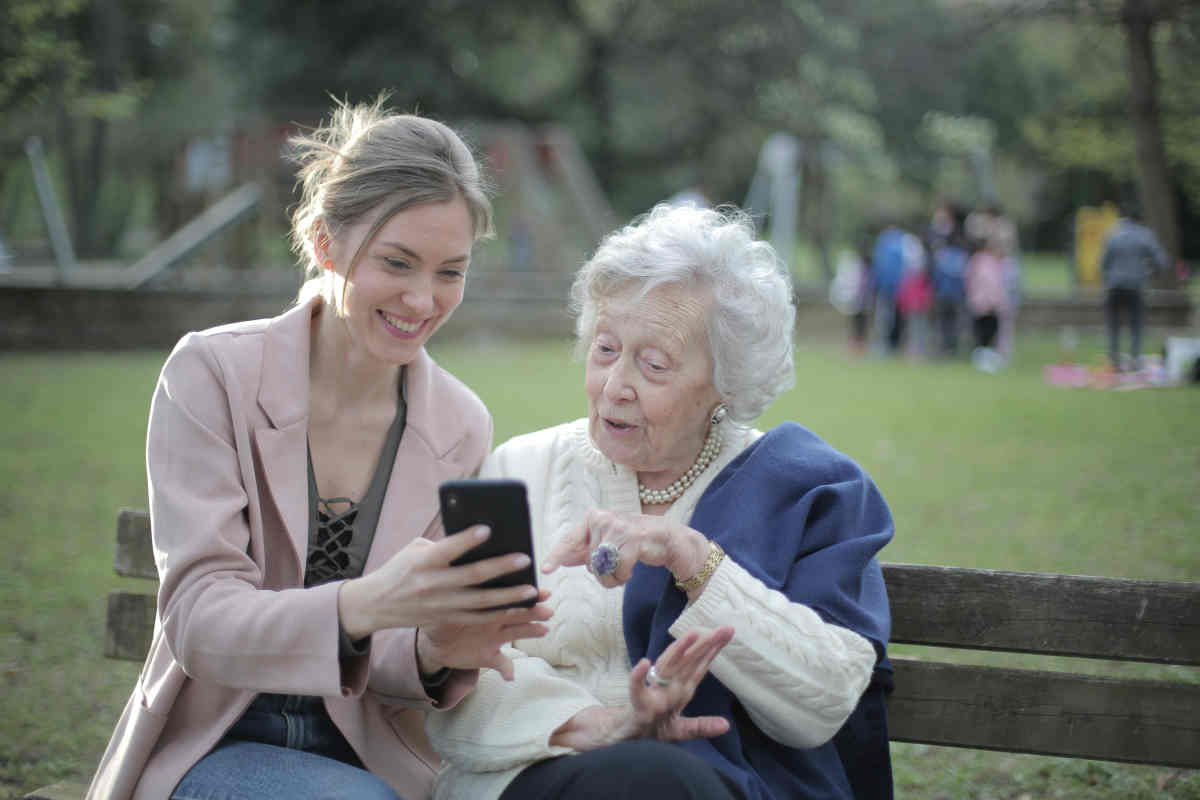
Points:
(987, 360)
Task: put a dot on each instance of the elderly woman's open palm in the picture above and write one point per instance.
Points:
(658, 693)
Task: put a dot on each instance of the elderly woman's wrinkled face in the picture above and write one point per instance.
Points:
(650, 381)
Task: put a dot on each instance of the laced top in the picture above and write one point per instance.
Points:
(340, 531)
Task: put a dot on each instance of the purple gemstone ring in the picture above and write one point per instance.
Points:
(604, 560)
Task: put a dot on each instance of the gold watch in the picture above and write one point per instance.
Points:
(715, 555)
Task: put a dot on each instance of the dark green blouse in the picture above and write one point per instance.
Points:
(340, 531)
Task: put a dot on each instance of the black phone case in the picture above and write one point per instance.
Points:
(501, 505)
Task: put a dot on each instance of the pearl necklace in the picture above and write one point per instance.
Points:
(658, 497)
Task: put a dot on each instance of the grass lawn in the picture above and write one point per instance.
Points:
(997, 471)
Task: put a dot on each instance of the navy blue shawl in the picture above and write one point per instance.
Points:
(805, 520)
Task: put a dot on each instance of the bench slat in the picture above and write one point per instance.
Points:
(135, 553)
(130, 626)
(1048, 713)
(1071, 615)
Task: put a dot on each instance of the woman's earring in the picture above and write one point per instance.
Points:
(719, 413)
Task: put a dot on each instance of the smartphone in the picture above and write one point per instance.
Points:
(501, 505)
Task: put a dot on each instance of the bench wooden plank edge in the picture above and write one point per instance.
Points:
(1045, 713)
(134, 556)
(1030, 612)
(129, 626)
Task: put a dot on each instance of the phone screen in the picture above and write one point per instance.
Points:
(501, 505)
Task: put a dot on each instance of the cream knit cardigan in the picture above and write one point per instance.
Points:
(798, 677)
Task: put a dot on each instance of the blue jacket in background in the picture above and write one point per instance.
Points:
(949, 271)
(887, 262)
(1131, 253)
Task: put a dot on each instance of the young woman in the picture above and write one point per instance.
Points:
(308, 614)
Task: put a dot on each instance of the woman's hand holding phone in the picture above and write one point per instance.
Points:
(418, 587)
(468, 593)
(472, 646)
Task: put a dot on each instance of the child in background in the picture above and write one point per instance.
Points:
(851, 293)
(987, 300)
(949, 290)
(887, 270)
(914, 299)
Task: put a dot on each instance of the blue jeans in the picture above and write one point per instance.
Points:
(238, 770)
(284, 746)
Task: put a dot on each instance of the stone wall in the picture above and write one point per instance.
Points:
(39, 318)
(118, 319)
(111, 319)
(1164, 309)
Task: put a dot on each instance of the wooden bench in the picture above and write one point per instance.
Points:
(940, 703)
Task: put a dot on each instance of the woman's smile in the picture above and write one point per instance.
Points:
(399, 328)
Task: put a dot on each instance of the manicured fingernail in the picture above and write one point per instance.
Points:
(482, 532)
(531, 593)
(520, 561)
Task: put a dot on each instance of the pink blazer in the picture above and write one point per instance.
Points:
(227, 465)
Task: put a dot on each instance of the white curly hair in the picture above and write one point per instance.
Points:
(715, 252)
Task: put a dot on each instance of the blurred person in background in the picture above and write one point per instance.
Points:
(851, 293)
(721, 622)
(987, 302)
(1006, 239)
(308, 614)
(943, 223)
(914, 298)
(991, 228)
(1131, 254)
(887, 271)
(948, 274)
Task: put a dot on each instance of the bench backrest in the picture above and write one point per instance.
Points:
(991, 708)
(1038, 711)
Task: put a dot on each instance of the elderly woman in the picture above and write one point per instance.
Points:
(719, 611)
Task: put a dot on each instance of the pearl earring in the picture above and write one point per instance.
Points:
(719, 414)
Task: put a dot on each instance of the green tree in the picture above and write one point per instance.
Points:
(1118, 81)
(661, 94)
(103, 82)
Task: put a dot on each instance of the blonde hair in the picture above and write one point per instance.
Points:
(369, 160)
